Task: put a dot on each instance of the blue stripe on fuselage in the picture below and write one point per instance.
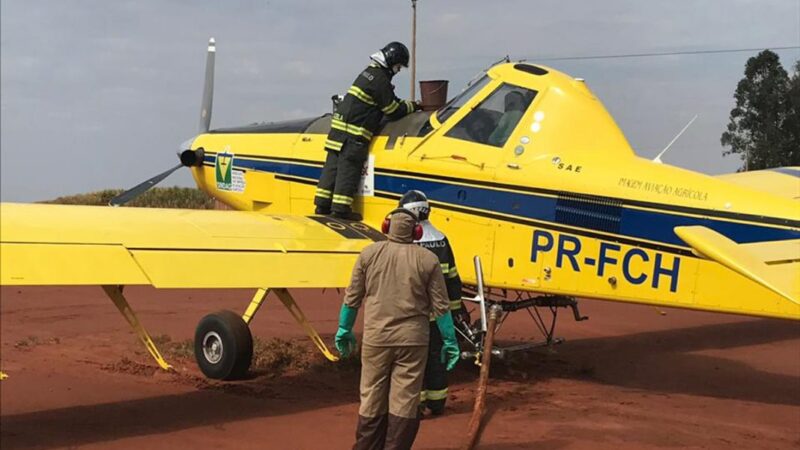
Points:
(636, 223)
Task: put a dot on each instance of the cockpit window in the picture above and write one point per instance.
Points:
(494, 119)
(458, 101)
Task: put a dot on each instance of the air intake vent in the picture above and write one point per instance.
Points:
(588, 211)
(530, 68)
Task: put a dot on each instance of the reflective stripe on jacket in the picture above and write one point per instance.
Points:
(359, 114)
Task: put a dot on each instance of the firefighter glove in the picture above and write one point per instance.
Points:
(345, 340)
(450, 350)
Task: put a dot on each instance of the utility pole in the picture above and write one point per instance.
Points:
(746, 159)
(413, 49)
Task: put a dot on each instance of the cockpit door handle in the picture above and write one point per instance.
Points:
(513, 166)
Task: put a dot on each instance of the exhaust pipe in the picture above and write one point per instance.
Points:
(191, 158)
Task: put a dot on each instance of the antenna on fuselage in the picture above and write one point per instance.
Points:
(208, 88)
(657, 159)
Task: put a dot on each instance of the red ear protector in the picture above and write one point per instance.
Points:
(417, 235)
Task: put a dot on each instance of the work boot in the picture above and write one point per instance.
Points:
(347, 215)
(401, 433)
(322, 211)
(371, 433)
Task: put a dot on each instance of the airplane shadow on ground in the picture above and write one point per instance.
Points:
(659, 361)
(671, 362)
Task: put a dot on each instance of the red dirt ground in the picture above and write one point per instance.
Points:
(627, 378)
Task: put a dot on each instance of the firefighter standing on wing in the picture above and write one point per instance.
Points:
(434, 388)
(353, 123)
(401, 286)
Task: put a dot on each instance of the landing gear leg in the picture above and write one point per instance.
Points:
(223, 344)
(115, 294)
(255, 305)
(297, 313)
(288, 301)
(475, 335)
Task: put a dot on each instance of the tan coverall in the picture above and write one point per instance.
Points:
(401, 286)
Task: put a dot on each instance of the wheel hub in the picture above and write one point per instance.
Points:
(212, 347)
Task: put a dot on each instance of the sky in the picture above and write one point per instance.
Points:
(99, 94)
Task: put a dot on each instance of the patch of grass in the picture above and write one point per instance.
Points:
(351, 364)
(173, 350)
(276, 356)
(33, 341)
(158, 197)
(182, 349)
(28, 342)
(128, 366)
(273, 357)
(161, 339)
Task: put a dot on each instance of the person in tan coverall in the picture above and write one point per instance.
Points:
(401, 286)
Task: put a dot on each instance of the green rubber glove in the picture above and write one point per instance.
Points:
(450, 351)
(345, 340)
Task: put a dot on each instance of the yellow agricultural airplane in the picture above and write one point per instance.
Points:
(554, 202)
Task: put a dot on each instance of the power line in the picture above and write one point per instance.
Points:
(645, 55)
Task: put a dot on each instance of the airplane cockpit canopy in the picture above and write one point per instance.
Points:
(516, 87)
(492, 120)
(458, 101)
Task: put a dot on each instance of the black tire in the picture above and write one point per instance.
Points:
(223, 346)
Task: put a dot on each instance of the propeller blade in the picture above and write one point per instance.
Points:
(141, 188)
(208, 89)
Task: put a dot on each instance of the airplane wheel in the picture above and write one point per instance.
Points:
(223, 346)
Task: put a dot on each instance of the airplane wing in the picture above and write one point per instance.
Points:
(774, 265)
(170, 248)
(782, 181)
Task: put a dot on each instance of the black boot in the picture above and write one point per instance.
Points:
(322, 211)
(371, 433)
(401, 433)
(348, 215)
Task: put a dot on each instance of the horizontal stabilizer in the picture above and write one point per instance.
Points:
(780, 181)
(746, 260)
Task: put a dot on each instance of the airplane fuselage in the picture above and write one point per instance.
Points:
(563, 206)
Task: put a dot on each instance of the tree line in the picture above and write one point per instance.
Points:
(764, 127)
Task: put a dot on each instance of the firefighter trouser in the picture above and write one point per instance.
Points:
(434, 386)
(340, 176)
(391, 379)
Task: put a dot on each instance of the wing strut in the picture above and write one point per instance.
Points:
(288, 301)
(115, 294)
(255, 305)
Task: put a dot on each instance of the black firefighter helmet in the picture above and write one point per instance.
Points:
(395, 53)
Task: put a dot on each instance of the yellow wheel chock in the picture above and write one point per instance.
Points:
(115, 294)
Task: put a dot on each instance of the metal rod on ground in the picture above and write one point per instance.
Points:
(480, 400)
